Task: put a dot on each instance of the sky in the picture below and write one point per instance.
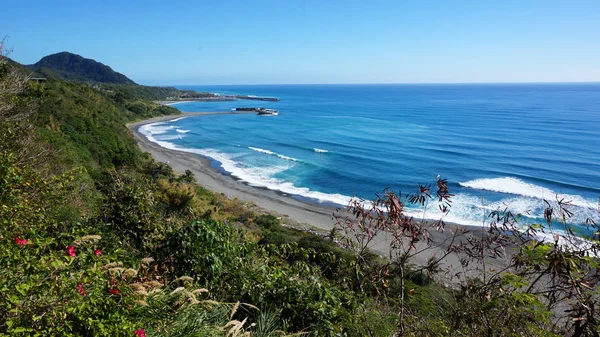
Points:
(316, 41)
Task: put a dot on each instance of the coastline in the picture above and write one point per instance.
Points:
(158, 119)
(292, 211)
(218, 98)
(211, 178)
(206, 99)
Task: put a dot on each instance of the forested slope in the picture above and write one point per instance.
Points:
(71, 66)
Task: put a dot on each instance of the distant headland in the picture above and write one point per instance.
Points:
(192, 96)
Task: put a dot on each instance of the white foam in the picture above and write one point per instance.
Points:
(466, 209)
(568, 241)
(474, 211)
(170, 137)
(260, 150)
(515, 186)
(263, 177)
(156, 128)
(272, 153)
(320, 150)
(176, 119)
(182, 131)
(471, 210)
(255, 176)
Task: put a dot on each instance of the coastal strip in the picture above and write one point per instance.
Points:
(186, 114)
(216, 98)
(285, 206)
(280, 204)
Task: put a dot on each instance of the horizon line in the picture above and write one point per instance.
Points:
(382, 83)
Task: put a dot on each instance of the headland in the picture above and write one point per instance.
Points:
(214, 98)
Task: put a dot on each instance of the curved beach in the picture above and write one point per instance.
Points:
(285, 206)
(297, 213)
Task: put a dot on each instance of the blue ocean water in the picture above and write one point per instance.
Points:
(499, 145)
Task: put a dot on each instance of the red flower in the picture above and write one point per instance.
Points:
(113, 291)
(71, 251)
(139, 333)
(20, 242)
(81, 290)
(98, 252)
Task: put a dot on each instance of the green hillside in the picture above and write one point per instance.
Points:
(70, 66)
(98, 239)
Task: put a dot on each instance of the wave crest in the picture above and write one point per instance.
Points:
(320, 150)
(176, 119)
(256, 149)
(515, 186)
(255, 176)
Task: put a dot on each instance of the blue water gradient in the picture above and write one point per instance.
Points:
(499, 145)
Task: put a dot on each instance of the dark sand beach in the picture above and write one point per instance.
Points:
(286, 206)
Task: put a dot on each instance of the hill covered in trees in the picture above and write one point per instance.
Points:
(74, 67)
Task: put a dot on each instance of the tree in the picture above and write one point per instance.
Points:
(511, 280)
(13, 84)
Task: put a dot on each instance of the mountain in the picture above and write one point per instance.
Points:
(71, 66)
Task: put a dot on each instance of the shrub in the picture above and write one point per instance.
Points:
(205, 249)
(129, 210)
(267, 221)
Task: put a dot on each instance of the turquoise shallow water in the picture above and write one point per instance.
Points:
(499, 145)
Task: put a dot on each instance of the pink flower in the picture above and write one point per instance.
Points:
(113, 291)
(139, 333)
(20, 242)
(71, 251)
(98, 252)
(81, 290)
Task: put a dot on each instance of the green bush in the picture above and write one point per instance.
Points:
(129, 210)
(267, 221)
(304, 298)
(207, 250)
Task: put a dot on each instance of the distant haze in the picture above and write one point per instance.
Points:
(309, 41)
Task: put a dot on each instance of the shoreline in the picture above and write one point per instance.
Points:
(287, 207)
(158, 119)
(318, 216)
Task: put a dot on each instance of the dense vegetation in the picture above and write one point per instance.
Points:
(98, 239)
(70, 66)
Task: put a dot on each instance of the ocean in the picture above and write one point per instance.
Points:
(501, 146)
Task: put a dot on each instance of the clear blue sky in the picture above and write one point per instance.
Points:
(316, 41)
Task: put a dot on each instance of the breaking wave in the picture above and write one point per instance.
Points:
(254, 176)
(176, 119)
(272, 153)
(515, 186)
(468, 208)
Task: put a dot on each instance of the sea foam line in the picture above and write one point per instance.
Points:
(272, 153)
(182, 131)
(466, 209)
(255, 176)
(515, 186)
(320, 150)
(157, 128)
